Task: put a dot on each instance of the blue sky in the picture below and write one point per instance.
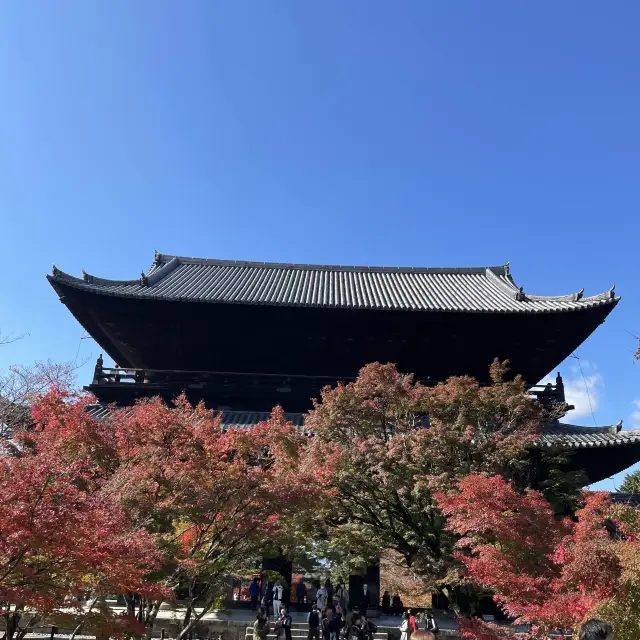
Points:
(405, 133)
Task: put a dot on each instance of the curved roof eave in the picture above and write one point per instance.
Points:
(471, 289)
(559, 435)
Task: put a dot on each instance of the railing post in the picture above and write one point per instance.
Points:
(97, 372)
(54, 630)
(560, 387)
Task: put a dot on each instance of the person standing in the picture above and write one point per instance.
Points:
(301, 592)
(329, 588)
(364, 599)
(267, 599)
(341, 595)
(412, 622)
(313, 620)
(386, 603)
(254, 593)
(405, 629)
(285, 622)
(277, 598)
(430, 624)
(321, 598)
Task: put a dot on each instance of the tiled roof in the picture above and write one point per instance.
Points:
(629, 499)
(245, 419)
(230, 419)
(482, 289)
(556, 435)
(570, 436)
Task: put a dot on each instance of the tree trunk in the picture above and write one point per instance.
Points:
(152, 612)
(32, 623)
(12, 621)
(187, 622)
(131, 607)
(81, 623)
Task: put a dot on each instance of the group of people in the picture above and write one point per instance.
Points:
(282, 625)
(409, 625)
(333, 623)
(329, 623)
(391, 606)
(275, 595)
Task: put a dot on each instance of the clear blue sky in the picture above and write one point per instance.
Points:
(393, 133)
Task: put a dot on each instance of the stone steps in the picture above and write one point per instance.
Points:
(300, 630)
(249, 634)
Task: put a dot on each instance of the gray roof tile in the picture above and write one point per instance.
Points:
(557, 435)
(483, 289)
(230, 419)
(570, 436)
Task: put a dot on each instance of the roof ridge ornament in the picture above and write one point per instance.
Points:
(55, 271)
(521, 296)
(87, 277)
(618, 426)
(507, 269)
(157, 257)
(144, 280)
(612, 292)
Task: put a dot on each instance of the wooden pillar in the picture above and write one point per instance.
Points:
(230, 586)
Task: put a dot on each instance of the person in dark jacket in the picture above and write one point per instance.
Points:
(313, 620)
(329, 587)
(430, 623)
(301, 592)
(254, 593)
(331, 625)
(365, 599)
(352, 620)
(267, 597)
(386, 603)
(283, 625)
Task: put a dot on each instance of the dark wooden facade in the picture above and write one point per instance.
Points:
(245, 336)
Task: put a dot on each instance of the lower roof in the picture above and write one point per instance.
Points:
(557, 435)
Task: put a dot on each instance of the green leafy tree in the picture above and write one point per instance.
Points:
(384, 443)
(631, 482)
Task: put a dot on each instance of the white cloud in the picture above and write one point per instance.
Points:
(634, 418)
(584, 393)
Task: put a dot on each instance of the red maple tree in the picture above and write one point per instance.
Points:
(213, 498)
(544, 571)
(64, 537)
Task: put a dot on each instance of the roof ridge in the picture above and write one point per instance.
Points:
(164, 258)
(609, 428)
